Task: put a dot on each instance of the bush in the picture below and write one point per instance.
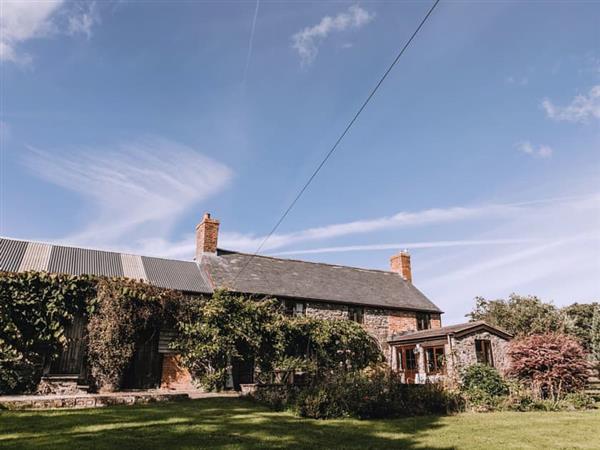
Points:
(278, 397)
(365, 395)
(484, 379)
(551, 365)
(329, 346)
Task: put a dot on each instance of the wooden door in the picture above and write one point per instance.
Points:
(70, 360)
(144, 371)
(408, 363)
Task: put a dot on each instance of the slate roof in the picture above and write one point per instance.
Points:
(283, 278)
(313, 281)
(21, 256)
(459, 330)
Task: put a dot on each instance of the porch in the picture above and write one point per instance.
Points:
(438, 355)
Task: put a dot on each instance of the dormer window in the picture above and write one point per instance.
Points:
(423, 321)
(294, 308)
(356, 314)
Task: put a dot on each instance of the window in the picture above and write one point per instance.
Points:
(435, 359)
(356, 313)
(423, 321)
(294, 308)
(406, 359)
(483, 351)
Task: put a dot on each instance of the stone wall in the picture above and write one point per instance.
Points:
(463, 353)
(326, 311)
(379, 323)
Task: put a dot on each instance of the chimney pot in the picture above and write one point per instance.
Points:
(207, 235)
(400, 263)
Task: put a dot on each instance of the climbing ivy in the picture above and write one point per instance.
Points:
(35, 308)
(120, 313)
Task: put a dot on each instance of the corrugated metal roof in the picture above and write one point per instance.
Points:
(19, 256)
(180, 275)
(133, 267)
(78, 261)
(36, 257)
(11, 254)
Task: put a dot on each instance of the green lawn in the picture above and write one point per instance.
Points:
(232, 423)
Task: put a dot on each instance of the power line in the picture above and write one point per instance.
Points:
(333, 149)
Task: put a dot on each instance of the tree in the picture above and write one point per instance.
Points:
(214, 332)
(552, 364)
(331, 345)
(578, 319)
(519, 315)
(595, 338)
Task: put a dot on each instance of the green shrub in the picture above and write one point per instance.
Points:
(35, 308)
(278, 397)
(365, 395)
(482, 379)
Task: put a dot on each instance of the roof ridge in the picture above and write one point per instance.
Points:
(309, 262)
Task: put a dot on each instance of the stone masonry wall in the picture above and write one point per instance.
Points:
(379, 323)
(463, 353)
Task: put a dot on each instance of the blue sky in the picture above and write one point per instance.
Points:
(122, 122)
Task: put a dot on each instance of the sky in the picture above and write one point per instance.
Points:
(121, 123)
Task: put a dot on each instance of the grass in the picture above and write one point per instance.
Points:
(233, 423)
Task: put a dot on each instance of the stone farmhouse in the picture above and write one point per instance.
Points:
(405, 323)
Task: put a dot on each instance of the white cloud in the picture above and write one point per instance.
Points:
(22, 21)
(249, 243)
(136, 191)
(541, 151)
(559, 260)
(306, 42)
(83, 19)
(581, 109)
(402, 245)
(518, 81)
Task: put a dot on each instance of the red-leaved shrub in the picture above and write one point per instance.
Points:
(552, 364)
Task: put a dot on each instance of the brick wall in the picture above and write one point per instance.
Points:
(436, 321)
(174, 375)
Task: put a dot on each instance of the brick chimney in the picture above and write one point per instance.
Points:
(207, 234)
(400, 263)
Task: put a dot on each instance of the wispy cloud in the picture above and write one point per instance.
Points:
(306, 42)
(403, 245)
(251, 41)
(82, 19)
(541, 151)
(558, 260)
(22, 21)
(402, 219)
(517, 81)
(136, 190)
(581, 109)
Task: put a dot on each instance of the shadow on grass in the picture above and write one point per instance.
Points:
(206, 423)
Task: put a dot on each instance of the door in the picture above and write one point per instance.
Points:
(144, 370)
(70, 360)
(407, 363)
